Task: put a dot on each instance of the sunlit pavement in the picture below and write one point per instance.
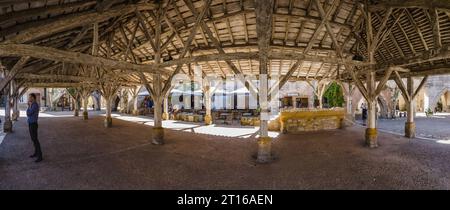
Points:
(435, 127)
(200, 128)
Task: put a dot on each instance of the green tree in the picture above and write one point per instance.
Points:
(334, 95)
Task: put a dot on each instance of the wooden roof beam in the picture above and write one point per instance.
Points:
(71, 57)
(75, 20)
(193, 32)
(436, 28)
(425, 4)
(43, 11)
(417, 28)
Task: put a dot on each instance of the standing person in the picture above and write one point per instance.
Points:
(364, 113)
(33, 114)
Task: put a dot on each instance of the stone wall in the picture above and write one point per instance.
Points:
(295, 121)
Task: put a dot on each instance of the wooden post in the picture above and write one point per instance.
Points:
(108, 119)
(76, 105)
(320, 92)
(410, 126)
(158, 92)
(124, 101)
(371, 130)
(135, 105)
(158, 130)
(85, 94)
(7, 126)
(85, 107)
(320, 98)
(208, 115)
(15, 100)
(165, 114)
(371, 137)
(347, 89)
(16, 112)
(264, 10)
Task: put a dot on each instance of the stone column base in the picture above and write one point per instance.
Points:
(85, 115)
(264, 150)
(371, 137)
(158, 135)
(108, 122)
(208, 119)
(410, 129)
(7, 126)
(165, 116)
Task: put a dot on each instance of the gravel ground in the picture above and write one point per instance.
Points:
(84, 155)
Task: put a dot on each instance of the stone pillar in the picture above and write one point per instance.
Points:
(371, 130)
(7, 126)
(108, 118)
(85, 107)
(208, 115)
(165, 114)
(158, 130)
(410, 126)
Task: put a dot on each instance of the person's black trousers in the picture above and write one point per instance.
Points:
(33, 127)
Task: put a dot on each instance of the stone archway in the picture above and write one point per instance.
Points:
(434, 98)
(115, 103)
(443, 94)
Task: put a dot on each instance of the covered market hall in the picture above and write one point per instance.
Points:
(225, 94)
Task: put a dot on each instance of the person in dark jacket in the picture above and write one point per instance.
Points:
(33, 114)
(364, 113)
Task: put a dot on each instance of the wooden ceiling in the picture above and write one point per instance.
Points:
(306, 42)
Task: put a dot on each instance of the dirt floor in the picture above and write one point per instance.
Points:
(85, 155)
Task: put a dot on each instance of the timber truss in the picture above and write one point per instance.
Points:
(94, 43)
